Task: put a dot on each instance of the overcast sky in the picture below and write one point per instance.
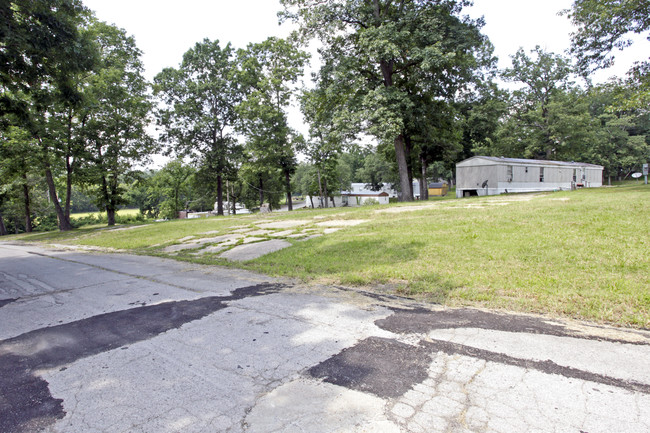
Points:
(165, 29)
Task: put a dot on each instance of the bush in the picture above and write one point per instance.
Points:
(370, 202)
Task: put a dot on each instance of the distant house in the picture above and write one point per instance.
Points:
(358, 198)
(351, 198)
(487, 175)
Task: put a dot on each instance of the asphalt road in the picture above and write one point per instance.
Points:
(117, 343)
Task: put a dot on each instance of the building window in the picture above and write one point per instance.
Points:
(541, 174)
(509, 173)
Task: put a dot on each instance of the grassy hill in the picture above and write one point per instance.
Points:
(582, 254)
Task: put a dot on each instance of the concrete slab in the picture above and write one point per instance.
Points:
(341, 223)
(242, 253)
(283, 224)
(182, 247)
(260, 232)
(281, 234)
(290, 408)
(210, 250)
(251, 240)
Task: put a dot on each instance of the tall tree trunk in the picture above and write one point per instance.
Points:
(110, 209)
(63, 220)
(69, 167)
(3, 228)
(68, 188)
(406, 186)
(219, 195)
(326, 196)
(408, 145)
(424, 190)
(28, 206)
(323, 199)
(262, 192)
(233, 199)
(110, 215)
(287, 181)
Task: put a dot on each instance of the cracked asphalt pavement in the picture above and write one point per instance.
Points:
(120, 343)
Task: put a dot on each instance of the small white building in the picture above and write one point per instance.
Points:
(351, 198)
(488, 175)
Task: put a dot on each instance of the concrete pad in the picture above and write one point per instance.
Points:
(210, 250)
(284, 224)
(242, 253)
(181, 247)
(281, 234)
(258, 233)
(219, 239)
(307, 405)
(341, 223)
(252, 239)
(331, 230)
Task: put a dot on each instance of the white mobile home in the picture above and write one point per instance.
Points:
(487, 175)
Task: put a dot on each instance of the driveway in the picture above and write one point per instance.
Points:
(119, 343)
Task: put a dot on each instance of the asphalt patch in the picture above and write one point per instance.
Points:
(26, 404)
(380, 366)
(422, 320)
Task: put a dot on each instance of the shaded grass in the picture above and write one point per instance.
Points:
(582, 254)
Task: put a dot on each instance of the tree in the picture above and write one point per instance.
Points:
(548, 119)
(380, 48)
(481, 112)
(44, 52)
(17, 162)
(114, 116)
(605, 26)
(375, 171)
(175, 183)
(620, 141)
(267, 73)
(328, 133)
(199, 110)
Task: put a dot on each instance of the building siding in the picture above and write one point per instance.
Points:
(491, 176)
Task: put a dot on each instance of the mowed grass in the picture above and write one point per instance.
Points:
(582, 254)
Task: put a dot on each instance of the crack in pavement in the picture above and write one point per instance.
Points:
(4, 302)
(26, 403)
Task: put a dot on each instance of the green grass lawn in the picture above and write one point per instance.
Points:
(582, 254)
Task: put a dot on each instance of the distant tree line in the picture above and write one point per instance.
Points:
(416, 78)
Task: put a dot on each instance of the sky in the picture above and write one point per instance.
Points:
(165, 29)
